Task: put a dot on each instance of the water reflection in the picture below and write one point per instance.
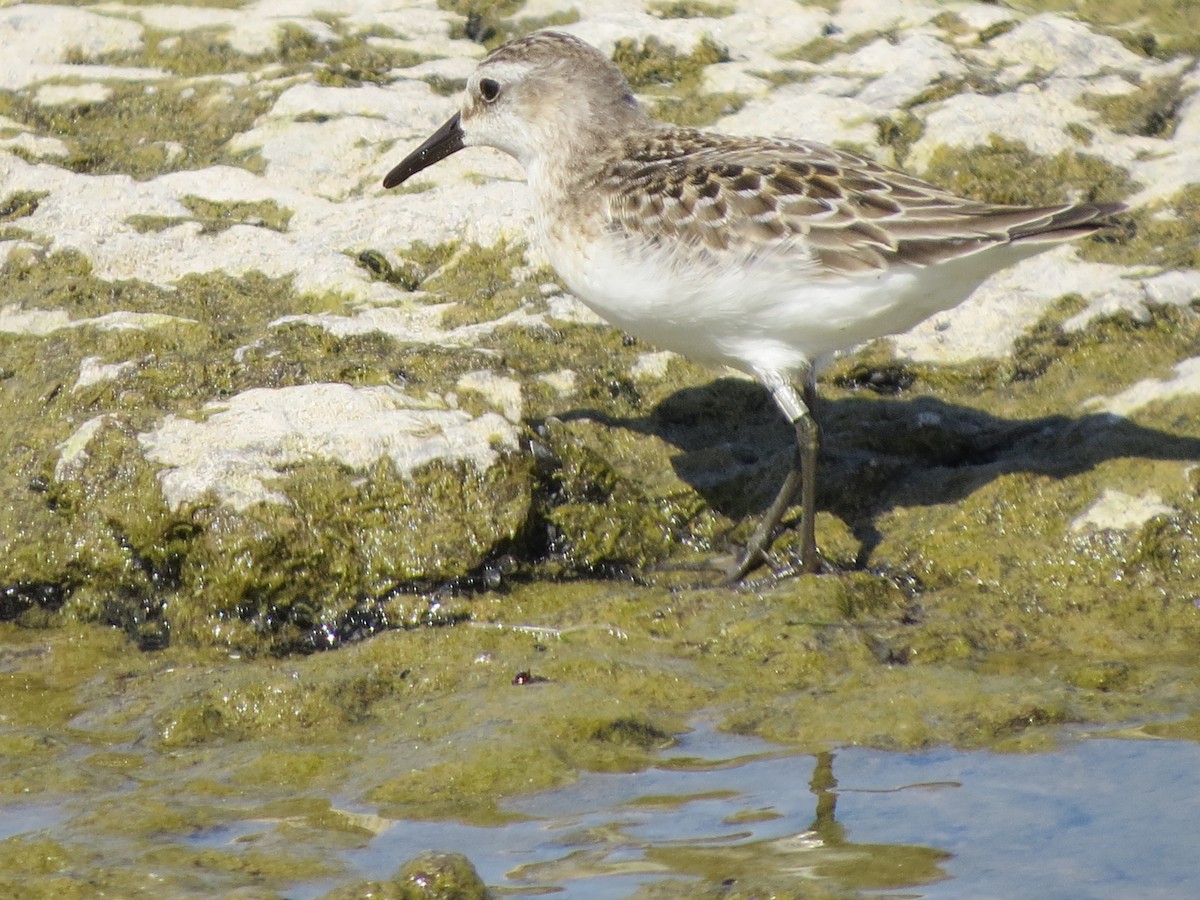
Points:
(1098, 818)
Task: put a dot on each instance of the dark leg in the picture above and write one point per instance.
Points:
(801, 476)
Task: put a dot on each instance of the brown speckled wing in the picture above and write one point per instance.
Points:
(717, 197)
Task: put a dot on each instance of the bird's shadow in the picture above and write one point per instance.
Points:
(877, 453)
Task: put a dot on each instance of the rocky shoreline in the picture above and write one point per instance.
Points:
(255, 405)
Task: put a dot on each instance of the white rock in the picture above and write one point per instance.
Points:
(1053, 43)
(328, 174)
(900, 71)
(981, 16)
(857, 16)
(35, 146)
(561, 381)
(406, 103)
(733, 78)
(1119, 511)
(71, 94)
(651, 365)
(14, 320)
(1186, 382)
(252, 438)
(1005, 306)
(569, 309)
(497, 389)
(32, 34)
(1036, 118)
(93, 370)
(794, 111)
(455, 67)
(73, 455)
(322, 158)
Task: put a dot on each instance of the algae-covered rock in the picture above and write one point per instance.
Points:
(256, 519)
(433, 875)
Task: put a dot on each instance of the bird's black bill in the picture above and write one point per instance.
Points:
(446, 140)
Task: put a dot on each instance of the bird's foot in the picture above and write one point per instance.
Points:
(810, 562)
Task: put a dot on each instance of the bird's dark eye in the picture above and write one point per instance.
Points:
(489, 90)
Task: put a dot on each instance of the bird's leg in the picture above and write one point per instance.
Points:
(801, 476)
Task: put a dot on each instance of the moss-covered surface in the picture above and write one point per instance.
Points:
(215, 217)
(487, 283)
(20, 204)
(426, 876)
(145, 129)
(1163, 28)
(1005, 171)
(492, 23)
(160, 689)
(671, 80)
(1151, 109)
(824, 48)
(95, 541)
(688, 9)
(1162, 235)
(899, 132)
(347, 59)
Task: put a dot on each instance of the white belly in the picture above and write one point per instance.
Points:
(773, 312)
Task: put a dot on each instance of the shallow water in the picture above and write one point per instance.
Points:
(1100, 817)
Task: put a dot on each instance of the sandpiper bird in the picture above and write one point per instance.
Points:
(764, 254)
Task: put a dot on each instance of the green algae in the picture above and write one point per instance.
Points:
(688, 9)
(215, 217)
(347, 59)
(369, 536)
(99, 533)
(698, 110)
(493, 23)
(954, 25)
(484, 282)
(651, 63)
(1150, 110)
(989, 624)
(600, 516)
(672, 80)
(444, 87)
(147, 129)
(418, 262)
(779, 77)
(1159, 28)
(189, 54)
(1162, 234)
(822, 49)
(1005, 171)
(431, 875)
(22, 855)
(20, 204)
(144, 130)
(947, 86)
(899, 132)
(440, 702)
(1081, 133)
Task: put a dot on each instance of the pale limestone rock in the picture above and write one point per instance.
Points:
(1118, 511)
(499, 390)
(93, 370)
(1185, 382)
(248, 440)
